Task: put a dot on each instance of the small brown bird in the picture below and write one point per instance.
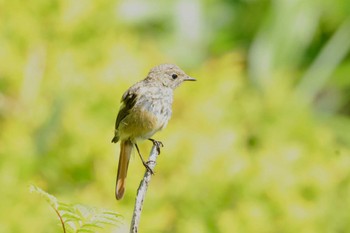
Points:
(145, 109)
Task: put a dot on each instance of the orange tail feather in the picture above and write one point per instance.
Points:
(124, 158)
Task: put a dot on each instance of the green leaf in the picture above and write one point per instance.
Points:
(48, 197)
(78, 217)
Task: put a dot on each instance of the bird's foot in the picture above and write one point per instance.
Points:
(148, 167)
(157, 144)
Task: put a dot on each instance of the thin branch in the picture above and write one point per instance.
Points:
(62, 222)
(141, 191)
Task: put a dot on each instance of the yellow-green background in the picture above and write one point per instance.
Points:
(260, 143)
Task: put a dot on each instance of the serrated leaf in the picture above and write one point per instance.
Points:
(112, 213)
(92, 225)
(85, 230)
(79, 218)
(84, 210)
(68, 216)
(65, 206)
(107, 219)
(71, 227)
(108, 222)
(52, 200)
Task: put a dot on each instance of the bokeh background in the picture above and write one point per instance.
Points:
(260, 143)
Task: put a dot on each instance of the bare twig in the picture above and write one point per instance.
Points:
(141, 191)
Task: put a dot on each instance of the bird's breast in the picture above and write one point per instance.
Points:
(150, 114)
(157, 109)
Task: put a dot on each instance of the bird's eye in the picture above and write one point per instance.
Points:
(174, 76)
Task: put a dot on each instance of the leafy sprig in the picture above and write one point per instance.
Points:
(77, 218)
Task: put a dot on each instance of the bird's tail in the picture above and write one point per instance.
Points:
(124, 158)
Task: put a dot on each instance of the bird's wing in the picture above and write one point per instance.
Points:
(128, 101)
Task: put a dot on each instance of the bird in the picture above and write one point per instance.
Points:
(146, 109)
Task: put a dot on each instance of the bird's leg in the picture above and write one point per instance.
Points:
(158, 144)
(143, 161)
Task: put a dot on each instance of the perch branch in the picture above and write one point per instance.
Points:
(141, 191)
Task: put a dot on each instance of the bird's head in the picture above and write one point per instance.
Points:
(169, 75)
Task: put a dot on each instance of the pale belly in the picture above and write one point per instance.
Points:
(144, 120)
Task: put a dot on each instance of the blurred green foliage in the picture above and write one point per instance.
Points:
(260, 143)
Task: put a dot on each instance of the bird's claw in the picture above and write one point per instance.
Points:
(157, 144)
(148, 167)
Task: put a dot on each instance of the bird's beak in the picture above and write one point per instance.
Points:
(188, 78)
